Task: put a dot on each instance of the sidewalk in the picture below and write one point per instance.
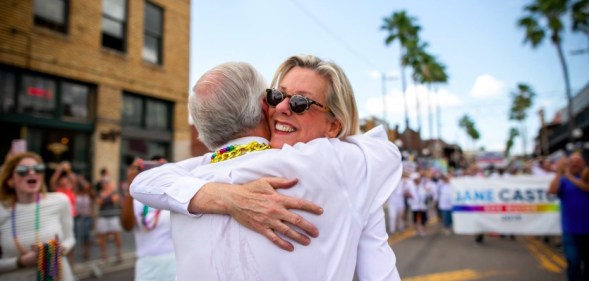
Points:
(95, 267)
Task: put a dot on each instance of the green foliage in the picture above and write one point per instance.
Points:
(540, 17)
(400, 27)
(580, 16)
(513, 133)
(468, 125)
(522, 100)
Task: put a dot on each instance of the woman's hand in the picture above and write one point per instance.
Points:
(29, 258)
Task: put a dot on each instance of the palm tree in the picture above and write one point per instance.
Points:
(416, 57)
(402, 28)
(513, 132)
(467, 124)
(543, 16)
(433, 72)
(522, 101)
(439, 77)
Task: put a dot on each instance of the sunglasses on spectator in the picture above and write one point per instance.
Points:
(23, 170)
(297, 103)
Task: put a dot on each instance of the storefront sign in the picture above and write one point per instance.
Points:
(510, 205)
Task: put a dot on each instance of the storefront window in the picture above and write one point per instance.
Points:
(6, 91)
(146, 113)
(132, 110)
(74, 100)
(157, 116)
(37, 96)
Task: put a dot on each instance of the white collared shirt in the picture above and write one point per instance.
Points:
(350, 181)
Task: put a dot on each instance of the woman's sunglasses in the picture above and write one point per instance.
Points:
(297, 103)
(23, 170)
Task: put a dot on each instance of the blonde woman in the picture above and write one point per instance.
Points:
(32, 220)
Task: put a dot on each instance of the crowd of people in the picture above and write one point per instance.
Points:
(235, 210)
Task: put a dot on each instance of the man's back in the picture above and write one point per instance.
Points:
(215, 247)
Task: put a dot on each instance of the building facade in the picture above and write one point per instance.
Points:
(96, 83)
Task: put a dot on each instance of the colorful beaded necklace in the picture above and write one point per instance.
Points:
(149, 224)
(20, 248)
(49, 261)
(233, 151)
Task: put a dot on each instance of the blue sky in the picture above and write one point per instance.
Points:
(478, 41)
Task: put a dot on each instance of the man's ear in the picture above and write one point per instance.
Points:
(264, 106)
(335, 127)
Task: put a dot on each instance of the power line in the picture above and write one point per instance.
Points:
(334, 35)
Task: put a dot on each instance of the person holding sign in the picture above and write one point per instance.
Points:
(571, 184)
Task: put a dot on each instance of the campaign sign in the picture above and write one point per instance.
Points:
(510, 205)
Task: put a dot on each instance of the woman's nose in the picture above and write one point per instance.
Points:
(283, 107)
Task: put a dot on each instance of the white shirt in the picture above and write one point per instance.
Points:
(55, 219)
(156, 241)
(350, 182)
(419, 193)
(445, 193)
(397, 199)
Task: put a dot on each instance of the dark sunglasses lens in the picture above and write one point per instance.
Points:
(273, 97)
(298, 104)
(39, 169)
(22, 170)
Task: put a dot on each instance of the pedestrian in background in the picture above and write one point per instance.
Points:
(445, 203)
(571, 184)
(108, 223)
(34, 224)
(153, 236)
(396, 206)
(85, 214)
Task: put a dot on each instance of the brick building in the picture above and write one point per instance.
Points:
(95, 82)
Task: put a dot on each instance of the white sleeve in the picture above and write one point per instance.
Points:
(383, 175)
(67, 225)
(375, 256)
(170, 186)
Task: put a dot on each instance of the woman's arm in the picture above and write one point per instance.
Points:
(127, 211)
(582, 183)
(67, 227)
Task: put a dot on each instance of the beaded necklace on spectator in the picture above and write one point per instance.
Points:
(149, 224)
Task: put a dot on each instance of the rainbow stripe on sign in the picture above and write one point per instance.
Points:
(511, 208)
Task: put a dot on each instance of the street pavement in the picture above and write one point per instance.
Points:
(434, 257)
(441, 257)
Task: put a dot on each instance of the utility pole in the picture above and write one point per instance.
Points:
(384, 79)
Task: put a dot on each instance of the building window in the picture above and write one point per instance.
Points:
(7, 90)
(152, 39)
(52, 14)
(42, 96)
(114, 24)
(75, 101)
(37, 96)
(146, 113)
(132, 111)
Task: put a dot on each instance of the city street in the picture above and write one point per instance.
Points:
(440, 257)
(437, 257)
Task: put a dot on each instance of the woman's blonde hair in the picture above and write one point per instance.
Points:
(7, 193)
(339, 96)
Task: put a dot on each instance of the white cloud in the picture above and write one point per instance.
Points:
(394, 101)
(487, 86)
